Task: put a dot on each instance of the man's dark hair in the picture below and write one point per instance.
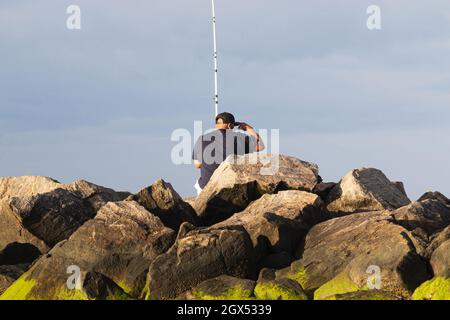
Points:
(226, 117)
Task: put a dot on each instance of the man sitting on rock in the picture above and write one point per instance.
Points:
(214, 147)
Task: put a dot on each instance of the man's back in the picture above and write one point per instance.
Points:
(213, 148)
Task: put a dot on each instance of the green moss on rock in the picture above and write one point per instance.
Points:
(298, 275)
(339, 285)
(437, 288)
(19, 290)
(22, 289)
(364, 295)
(127, 289)
(223, 288)
(63, 293)
(233, 293)
(272, 290)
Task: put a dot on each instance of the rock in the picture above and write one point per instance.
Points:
(11, 227)
(53, 216)
(440, 260)
(12, 230)
(26, 186)
(429, 215)
(360, 239)
(9, 274)
(42, 212)
(437, 240)
(19, 253)
(98, 287)
(120, 243)
(279, 289)
(272, 285)
(339, 254)
(401, 187)
(199, 255)
(96, 195)
(364, 295)
(436, 196)
(223, 288)
(323, 189)
(278, 223)
(437, 288)
(242, 179)
(164, 202)
(267, 274)
(365, 190)
(94, 286)
(190, 201)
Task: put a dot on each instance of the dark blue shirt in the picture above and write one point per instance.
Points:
(213, 148)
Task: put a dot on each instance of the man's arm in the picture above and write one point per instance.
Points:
(197, 153)
(197, 164)
(249, 129)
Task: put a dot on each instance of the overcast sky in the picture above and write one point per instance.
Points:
(101, 103)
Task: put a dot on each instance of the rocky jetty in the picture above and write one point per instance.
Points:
(264, 228)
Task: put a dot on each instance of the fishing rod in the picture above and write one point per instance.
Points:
(216, 71)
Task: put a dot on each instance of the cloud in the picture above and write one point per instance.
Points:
(88, 103)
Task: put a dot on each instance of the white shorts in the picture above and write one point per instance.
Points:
(197, 188)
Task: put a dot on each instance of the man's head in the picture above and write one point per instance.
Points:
(225, 120)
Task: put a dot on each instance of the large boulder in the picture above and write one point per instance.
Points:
(10, 225)
(26, 186)
(240, 180)
(429, 215)
(277, 223)
(440, 260)
(119, 244)
(436, 195)
(164, 202)
(341, 254)
(42, 212)
(364, 190)
(438, 288)
(12, 230)
(53, 216)
(436, 241)
(199, 255)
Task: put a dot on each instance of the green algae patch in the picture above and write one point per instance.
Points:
(65, 294)
(25, 289)
(296, 272)
(272, 290)
(299, 275)
(363, 295)
(19, 290)
(437, 288)
(233, 293)
(128, 290)
(339, 285)
(119, 296)
(146, 294)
